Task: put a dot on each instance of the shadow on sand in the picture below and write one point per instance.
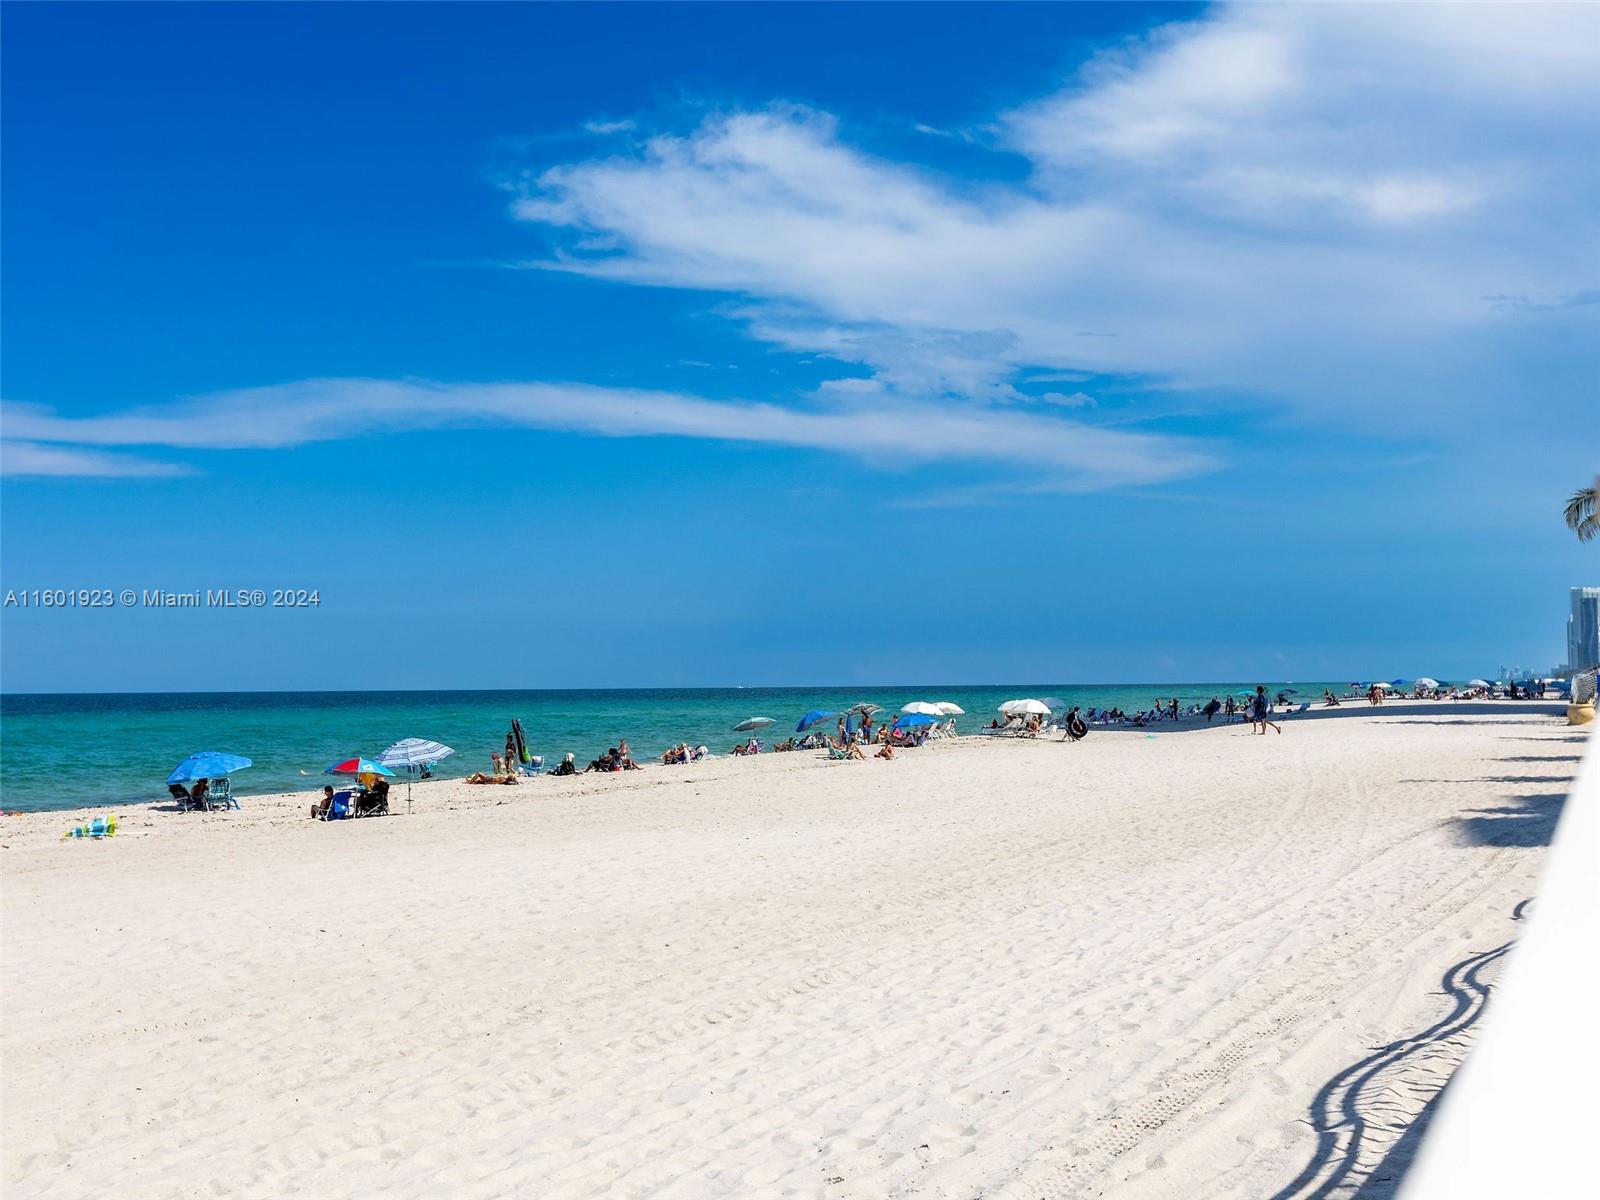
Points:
(1356, 1113)
(1522, 821)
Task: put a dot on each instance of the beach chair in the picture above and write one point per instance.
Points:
(186, 802)
(97, 828)
(371, 804)
(220, 798)
(534, 765)
(338, 809)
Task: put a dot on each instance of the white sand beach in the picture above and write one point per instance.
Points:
(1139, 966)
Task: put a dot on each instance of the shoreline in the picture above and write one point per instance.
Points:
(447, 780)
(1126, 966)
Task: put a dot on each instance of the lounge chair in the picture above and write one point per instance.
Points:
(534, 765)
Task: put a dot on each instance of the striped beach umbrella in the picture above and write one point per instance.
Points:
(414, 752)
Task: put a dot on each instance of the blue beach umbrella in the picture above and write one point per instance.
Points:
(208, 764)
(814, 717)
(910, 720)
(1399, 682)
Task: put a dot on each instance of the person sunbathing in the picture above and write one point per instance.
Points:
(566, 766)
(606, 762)
(886, 752)
(480, 777)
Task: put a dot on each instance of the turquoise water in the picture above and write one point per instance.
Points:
(67, 751)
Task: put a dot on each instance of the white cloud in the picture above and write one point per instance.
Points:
(28, 459)
(1053, 451)
(1302, 202)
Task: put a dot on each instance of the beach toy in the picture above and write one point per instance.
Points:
(111, 825)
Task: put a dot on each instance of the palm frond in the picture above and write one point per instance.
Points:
(1581, 516)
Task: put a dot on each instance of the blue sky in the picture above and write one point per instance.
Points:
(628, 345)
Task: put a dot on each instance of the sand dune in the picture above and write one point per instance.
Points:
(1134, 967)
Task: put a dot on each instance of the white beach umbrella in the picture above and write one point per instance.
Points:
(1034, 708)
(1425, 682)
(1383, 685)
(1477, 683)
(948, 708)
(923, 708)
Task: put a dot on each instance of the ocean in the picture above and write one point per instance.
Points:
(69, 751)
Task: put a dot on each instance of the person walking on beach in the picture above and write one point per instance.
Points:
(1212, 709)
(1261, 712)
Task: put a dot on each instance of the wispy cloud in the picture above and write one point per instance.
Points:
(29, 459)
(1053, 451)
(1299, 202)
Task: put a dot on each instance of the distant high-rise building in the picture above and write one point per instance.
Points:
(1583, 629)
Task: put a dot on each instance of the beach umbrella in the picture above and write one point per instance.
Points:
(948, 708)
(357, 766)
(411, 753)
(749, 723)
(864, 708)
(414, 752)
(814, 718)
(1037, 708)
(208, 764)
(922, 708)
(1424, 682)
(1251, 691)
(1398, 682)
(912, 720)
(1477, 683)
(1382, 685)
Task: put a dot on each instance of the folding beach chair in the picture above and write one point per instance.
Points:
(374, 803)
(534, 765)
(186, 802)
(221, 796)
(338, 808)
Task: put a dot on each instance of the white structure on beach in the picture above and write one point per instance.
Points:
(1583, 630)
